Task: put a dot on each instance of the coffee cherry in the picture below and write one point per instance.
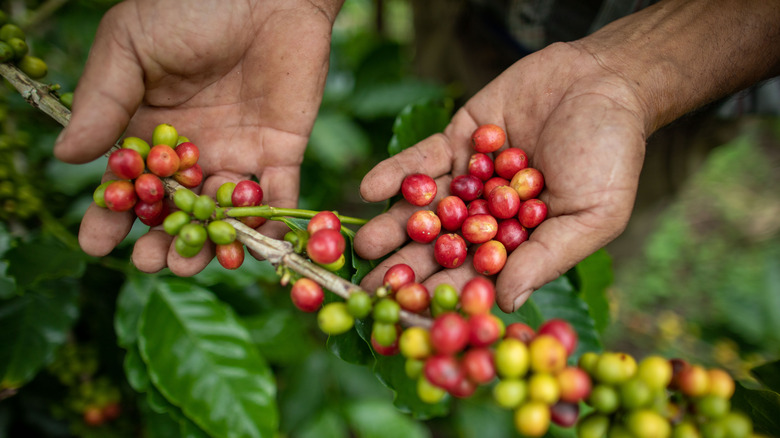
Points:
(520, 331)
(415, 343)
(182, 139)
(503, 202)
(490, 258)
(203, 207)
(614, 368)
(334, 318)
(528, 182)
(19, 47)
(510, 161)
(137, 145)
(193, 234)
(483, 330)
(413, 368)
(190, 177)
(221, 232)
(466, 187)
(325, 246)
(564, 414)
(174, 222)
(594, 425)
(604, 398)
(32, 66)
(509, 393)
(185, 250)
(112, 411)
(488, 138)
(712, 406)
(225, 194)
(532, 213)
(231, 255)
(67, 100)
(126, 163)
(120, 195)
(359, 304)
(737, 424)
(481, 166)
(93, 416)
(307, 295)
(450, 250)
(492, 184)
(532, 419)
(547, 354)
(10, 30)
(575, 384)
(446, 296)
(464, 389)
(543, 387)
(477, 296)
(635, 394)
(162, 160)
(397, 276)
(444, 371)
(449, 333)
(511, 234)
(561, 330)
(149, 188)
(188, 154)
(655, 371)
(511, 358)
(428, 392)
(387, 333)
(418, 189)
(693, 381)
(165, 134)
(478, 206)
(247, 193)
(337, 265)
(413, 297)
(479, 366)
(479, 228)
(6, 52)
(150, 213)
(324, 220)
(452, 211)
(646, 423)
(721, 383)
(588, 361)
(423, 226)
(99, 195)
(387, 310)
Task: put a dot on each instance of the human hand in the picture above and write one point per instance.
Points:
(580, 124)
(242, 80)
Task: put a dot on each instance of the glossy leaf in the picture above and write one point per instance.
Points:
(135, 370)
(44, 259)
(378, 419)
(592, 278)
(417, 122)
(202, 359)
(327, 424)
(279, 335)
(387, 100)
(337, 142)
(130, 304)
(32, 327)
(769, 375)
(7, 283)
(350, 347)
(391, 372)
(761, 405)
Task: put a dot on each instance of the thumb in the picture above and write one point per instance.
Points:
(108, 94)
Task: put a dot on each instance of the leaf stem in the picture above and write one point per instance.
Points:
(274, 212)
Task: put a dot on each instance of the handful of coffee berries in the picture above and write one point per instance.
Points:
(13, 48)
(494, 207)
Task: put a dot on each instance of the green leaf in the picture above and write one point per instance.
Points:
(279, 335)
(351, 347)
(249, 273)
(7, 284)
(5, 239)
(390, 370)
(558, 299)
(201, 358)
(42, 258)
(73, 178)
(130, 304)
(387, 100)
(761, 405)
(326, 424)
(528, 313)
(32, 327)
(158, 425)
(135, 370)
(417, 122)
(479, 416)
(593, 277)
(337, 142)
(769, 375)
(378, 419)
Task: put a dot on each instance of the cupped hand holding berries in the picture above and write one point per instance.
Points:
(224, 74)
(580, 125)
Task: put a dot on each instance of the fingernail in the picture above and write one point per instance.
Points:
(521, 299)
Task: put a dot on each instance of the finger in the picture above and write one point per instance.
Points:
(108, 93)
(418, 256)
(150, 252)
(281, 185)
(102, 230)
(189, 266)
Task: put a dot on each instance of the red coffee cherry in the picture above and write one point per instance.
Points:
(464, 389)
(418, 189)
(466, 187)
(450, 250)
(478, 206)
(120, 195)
(532, 213)
(449, 333)
(247, 193)
(510, 161)
(488, 138)
(481, 166)
(444, 371)
(520, 331)
(413, 297)
(230, 256)
(511, 234)
(452, 211)
(565, 414)
(528, 182)
(397, 276)
(162, 160)
(477, 296)
(574, 383)
(504, 202)
(126, 163)
(324, 220)
(188, 155)
(479, 366)
(325, 246)
(490, 258)
(190, 177)
(492, 183)
(561, 330)
(479, 228)
(93, 416)
(151, 213)
(307, 295)
(149, 188)
(423, 226)
(483, 330)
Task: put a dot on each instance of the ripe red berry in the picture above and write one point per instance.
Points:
(452, 211)
(564, 414)
(532, 213)
(478, 206)
(149, 188)
(444, 371)
(481, 166)
(397, 276)
(126, 163)
(413, 297)
(520, 331)
(93, 416)
(490, 257)
(162, 160)
(449, 333)
(477, 296)
(511, 234)
(479, 228)
(386, 350)
(488, 138)
(479, 366)
(503, 202)
(247, 193)
(423, 226)
(466, 187)
(325, 246)
(574, 383)
(464, 389)
(450, 250)
(528, 182)
(418, 189)
(151, 213)
(112, 411)
(307, 295)
(492, 183)
(230, 256)
(188, 154)
(324, 220)
(483, 330)
(561, 330)
(510, 161)
(120, 195)
(190, 177)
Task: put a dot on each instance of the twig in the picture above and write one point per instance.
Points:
(277, 252)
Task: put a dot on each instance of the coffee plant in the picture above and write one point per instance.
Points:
(291, 345)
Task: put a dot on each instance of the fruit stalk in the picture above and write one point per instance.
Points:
(37, 94)
(269, 212)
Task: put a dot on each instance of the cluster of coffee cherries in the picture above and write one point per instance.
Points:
(657, 397)
(13, 48)
(495, 205)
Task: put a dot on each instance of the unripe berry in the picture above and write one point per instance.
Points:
(547, 354)
(185, 250)
(221, 232)
(33, 66)
(225, 194)
(136, 144)
(614, 368)
(385, 334)
(594, 425)
(413, 297)
(99, 195)
(543, 387)
(446, 296)
(165, 134)
(203, 207)
(387, 310)
(604, 398)
(511, 358)
(532, 419)
(359, 304)
(413, 368)
(693, 381)
(428, 392)
(509, 393)
(184, 199)
(646, 423)
(193, 234)
(415, 343)
(635, 394)
(334, 318)
(655, 371)
(721, 383)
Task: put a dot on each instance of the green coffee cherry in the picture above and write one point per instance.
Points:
(203, 207)
(174, 222)
(428, 392)
(165, 134)
(593, 426)
(67, 100)
(225, 194)
(32, 66)
(181, 139)
(19, 46)
(11, 30)
(446, 296)
(193, 234)
(138, 145)
(604, 399)
(387, 310)
(335, 266)
(185, 250)
(385, 334)
(359, 304)
(334, 319)
(414, 368)
(221, 232)
(98, 194)
(184, 199)
(6, 52)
